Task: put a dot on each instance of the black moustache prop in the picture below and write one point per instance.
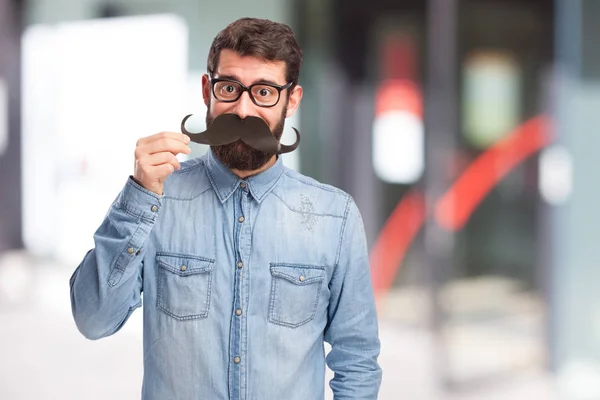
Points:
(227, 128)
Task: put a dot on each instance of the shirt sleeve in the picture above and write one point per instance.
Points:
(106, 286)
(352, 328)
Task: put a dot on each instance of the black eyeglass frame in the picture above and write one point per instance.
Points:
(248, 89)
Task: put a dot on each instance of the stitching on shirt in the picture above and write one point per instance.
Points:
(181, 255)
(298, 265)
(142, 189)
(132, 211)
(304, 212)
(216, 187)
(188, 198)
(124, 254)
(270, 188)
(163, 305)
(230, 192)
(273, 318)
(342, 232)
(122, 261)
(190, 165)
(317, 185)
(189, 169)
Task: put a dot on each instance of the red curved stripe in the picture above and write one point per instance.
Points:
(455, 207)
(395, 238)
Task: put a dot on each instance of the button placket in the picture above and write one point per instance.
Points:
(237, 326)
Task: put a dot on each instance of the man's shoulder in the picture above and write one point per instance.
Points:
(307, 190)
(189, 181)
(299, 180)
(190, 165)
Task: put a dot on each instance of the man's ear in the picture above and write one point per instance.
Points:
(206, 92)
(294, 101)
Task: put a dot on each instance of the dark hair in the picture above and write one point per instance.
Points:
(261, 38)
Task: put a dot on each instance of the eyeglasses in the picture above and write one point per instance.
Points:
(261, 94)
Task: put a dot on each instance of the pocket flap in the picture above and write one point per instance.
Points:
(298, 274)
(182, 264)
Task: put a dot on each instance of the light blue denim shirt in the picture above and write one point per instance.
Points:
(242, 282)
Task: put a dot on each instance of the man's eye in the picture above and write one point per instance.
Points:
(229, 89)
(264, 92)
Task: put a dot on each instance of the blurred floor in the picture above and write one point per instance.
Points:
(44, 357)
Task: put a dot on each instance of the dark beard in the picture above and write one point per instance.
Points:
(238, 155)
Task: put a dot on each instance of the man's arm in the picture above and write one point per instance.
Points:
(106, 287)
(352, 329)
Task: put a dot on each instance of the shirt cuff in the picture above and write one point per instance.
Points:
(140, 202)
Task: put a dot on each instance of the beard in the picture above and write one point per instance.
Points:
(238, 155)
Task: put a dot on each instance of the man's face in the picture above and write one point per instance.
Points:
(249, 70)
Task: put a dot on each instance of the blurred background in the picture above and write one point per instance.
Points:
(466, 130)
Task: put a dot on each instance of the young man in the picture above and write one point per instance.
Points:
(246, 267)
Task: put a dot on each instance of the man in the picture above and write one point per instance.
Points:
(247, 267)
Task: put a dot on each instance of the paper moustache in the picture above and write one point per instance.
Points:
(227, 128)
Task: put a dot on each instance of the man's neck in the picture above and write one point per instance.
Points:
(245, 174)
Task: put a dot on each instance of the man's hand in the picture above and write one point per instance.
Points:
(155, 158)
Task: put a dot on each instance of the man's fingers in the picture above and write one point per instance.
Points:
(155, 158)
(161, 145)
(164, 135)
(164, 170)
(163, 158)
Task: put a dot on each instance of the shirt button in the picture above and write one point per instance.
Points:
(302, 278)
(183, 268)
(154, 208)
(130, 250)
(243, 185)
(240, 264)
(238, 312)
(241, 219)
(237, 360)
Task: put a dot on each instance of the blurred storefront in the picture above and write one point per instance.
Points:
(455, 126)
(464, 129)
(10, 125)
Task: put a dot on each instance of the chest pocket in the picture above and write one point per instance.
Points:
(295, 292)
(184, 285)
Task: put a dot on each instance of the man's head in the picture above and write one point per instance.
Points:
(250, 52)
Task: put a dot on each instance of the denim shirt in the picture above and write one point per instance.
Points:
(243, 281)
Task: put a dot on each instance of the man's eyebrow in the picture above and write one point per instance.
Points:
(267, 81)
(261, 80)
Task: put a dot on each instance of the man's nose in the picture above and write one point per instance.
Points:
(244, 107)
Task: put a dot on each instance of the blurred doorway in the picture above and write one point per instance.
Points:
(492, 300)
(10, 143)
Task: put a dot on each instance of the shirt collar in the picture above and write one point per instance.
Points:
(225, 182)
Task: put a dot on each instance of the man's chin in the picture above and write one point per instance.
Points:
(240, 156)
(240, 147)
